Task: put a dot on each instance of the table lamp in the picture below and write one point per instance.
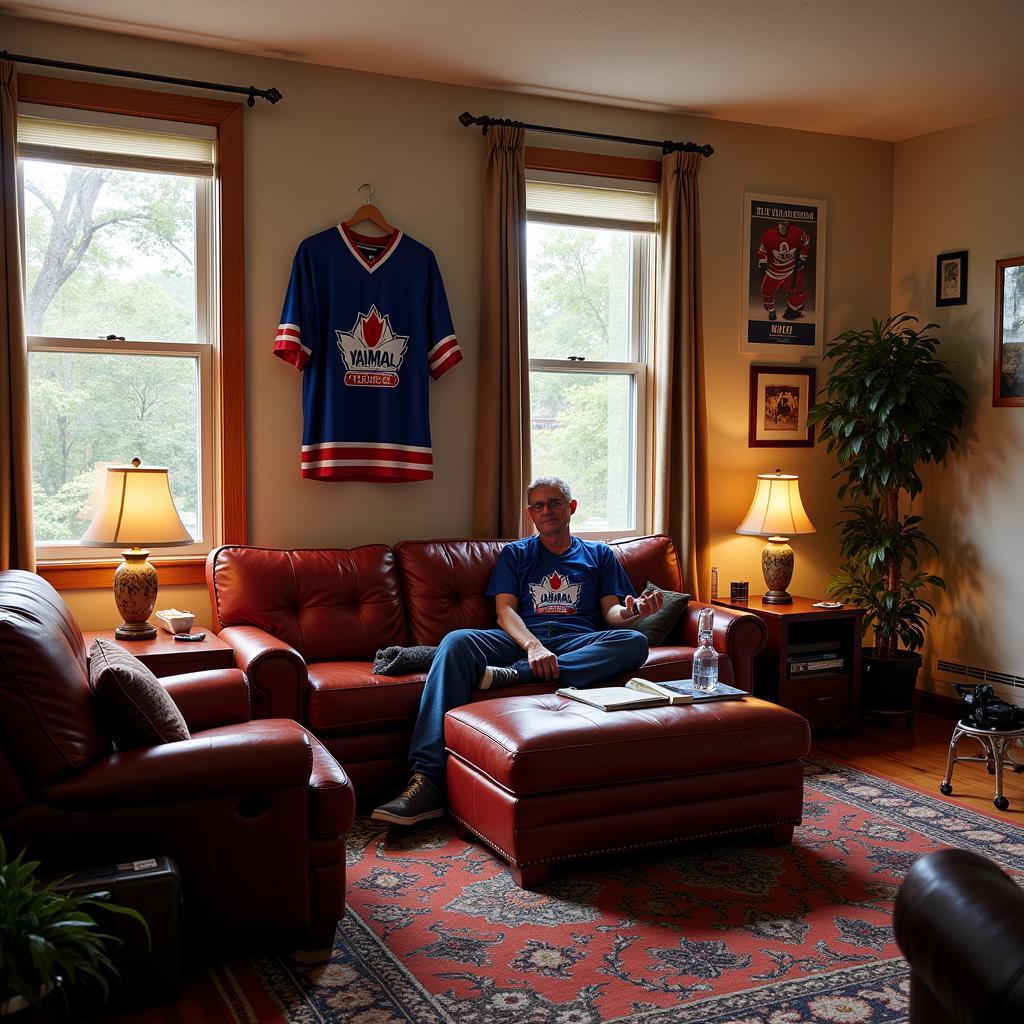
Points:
(136, 508)
(776, 513)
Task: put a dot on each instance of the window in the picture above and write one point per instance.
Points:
(133, 310)
(590, 267)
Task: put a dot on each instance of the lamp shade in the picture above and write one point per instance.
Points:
(136, 509)
(776, 509)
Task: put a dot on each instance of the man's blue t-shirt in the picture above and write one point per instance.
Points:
(559, 590)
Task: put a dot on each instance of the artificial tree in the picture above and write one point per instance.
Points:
(891, 407)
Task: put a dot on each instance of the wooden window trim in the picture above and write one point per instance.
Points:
(226, 118)
(595, 164)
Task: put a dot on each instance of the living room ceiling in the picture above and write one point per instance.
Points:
(877, 69)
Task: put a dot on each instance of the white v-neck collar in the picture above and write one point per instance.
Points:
(378, 263)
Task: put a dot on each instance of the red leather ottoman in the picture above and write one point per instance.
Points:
(543, 778)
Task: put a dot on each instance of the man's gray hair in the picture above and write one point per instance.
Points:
(549, 481)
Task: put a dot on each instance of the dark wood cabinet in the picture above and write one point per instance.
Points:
(827, 698)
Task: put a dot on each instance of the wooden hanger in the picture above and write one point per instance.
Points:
(369, 212)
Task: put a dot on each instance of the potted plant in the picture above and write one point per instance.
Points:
(48, 939)
(891, 407)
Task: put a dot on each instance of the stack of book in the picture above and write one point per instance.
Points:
(807, 659)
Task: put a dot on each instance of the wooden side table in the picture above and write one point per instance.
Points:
(164, 656)
(827, 698)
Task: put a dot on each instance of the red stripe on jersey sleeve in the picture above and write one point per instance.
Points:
(290, 352)
(453, 358)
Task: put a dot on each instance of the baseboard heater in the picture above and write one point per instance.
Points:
(1008, 685)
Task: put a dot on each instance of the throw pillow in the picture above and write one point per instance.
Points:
(657, 627)
(134, 708)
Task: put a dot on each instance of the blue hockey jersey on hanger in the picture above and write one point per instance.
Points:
(367, 322)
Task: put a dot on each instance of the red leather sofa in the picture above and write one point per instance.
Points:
(305, 625)
(254, 813)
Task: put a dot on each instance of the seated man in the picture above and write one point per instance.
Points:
(554, 595)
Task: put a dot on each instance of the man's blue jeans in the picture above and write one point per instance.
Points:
(584, 659)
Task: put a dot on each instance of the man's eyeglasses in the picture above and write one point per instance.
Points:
(555, 504)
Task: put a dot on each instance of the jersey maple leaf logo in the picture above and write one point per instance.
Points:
(555, 595)
(372, 352)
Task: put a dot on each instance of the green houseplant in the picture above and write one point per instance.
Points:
(891, 406)
(49, 939)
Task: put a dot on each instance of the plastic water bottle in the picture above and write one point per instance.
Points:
(705, 658)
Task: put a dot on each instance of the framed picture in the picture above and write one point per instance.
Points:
(1008, 371)
(951, 278)
(783, 276)
(780, 397)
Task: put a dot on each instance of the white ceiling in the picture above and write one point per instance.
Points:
(882, 69)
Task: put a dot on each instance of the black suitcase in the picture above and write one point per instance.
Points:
(150, 972)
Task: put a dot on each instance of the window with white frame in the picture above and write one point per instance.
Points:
(590, 269)
(121, 312)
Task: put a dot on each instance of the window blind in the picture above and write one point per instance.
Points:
(587, 206)
(99, 145)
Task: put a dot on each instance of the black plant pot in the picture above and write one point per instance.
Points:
(888, 684)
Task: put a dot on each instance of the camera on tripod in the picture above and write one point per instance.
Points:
(982, 709)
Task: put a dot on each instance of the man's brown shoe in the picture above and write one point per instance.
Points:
(420, 801)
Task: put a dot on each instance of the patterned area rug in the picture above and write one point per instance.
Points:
(722, 933)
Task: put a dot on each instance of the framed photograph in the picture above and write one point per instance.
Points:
(951, 279)
(1008, 371)
(783, 276)
(780, 397)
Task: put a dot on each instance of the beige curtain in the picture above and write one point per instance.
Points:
(17, 548)
(503, 412)
(680, 442)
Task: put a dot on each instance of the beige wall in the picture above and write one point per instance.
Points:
(336, 129)
(960, 189)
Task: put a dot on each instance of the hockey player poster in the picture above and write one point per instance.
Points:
(784, 279)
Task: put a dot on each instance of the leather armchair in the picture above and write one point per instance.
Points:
(255, 813)
(959, 921)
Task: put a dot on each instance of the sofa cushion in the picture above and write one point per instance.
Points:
(649, 558)
(136, 710)
(329, 604)
(346, 697)
(443, 582)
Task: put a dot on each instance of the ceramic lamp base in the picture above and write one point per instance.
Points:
(777, 565)
(135, 590)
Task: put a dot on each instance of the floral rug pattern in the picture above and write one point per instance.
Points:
(717, 933)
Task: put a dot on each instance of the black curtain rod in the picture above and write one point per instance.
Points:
(466, 119)
(272, 95)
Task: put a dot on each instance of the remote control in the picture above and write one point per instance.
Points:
(190, 637)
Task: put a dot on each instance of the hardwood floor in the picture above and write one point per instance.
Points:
(917, 757)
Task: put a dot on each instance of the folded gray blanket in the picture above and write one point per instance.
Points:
(401, 661)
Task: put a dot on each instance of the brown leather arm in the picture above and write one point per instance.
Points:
(206, 699)
(959, 921)
(278, 680)
(736, 633)
(251, 758)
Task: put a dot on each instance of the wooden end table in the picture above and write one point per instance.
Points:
(827, 698)
(164, 656)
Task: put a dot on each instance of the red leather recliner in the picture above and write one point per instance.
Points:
(254, 813)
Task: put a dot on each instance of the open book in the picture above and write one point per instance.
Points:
(619, 698)
(681, 691)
